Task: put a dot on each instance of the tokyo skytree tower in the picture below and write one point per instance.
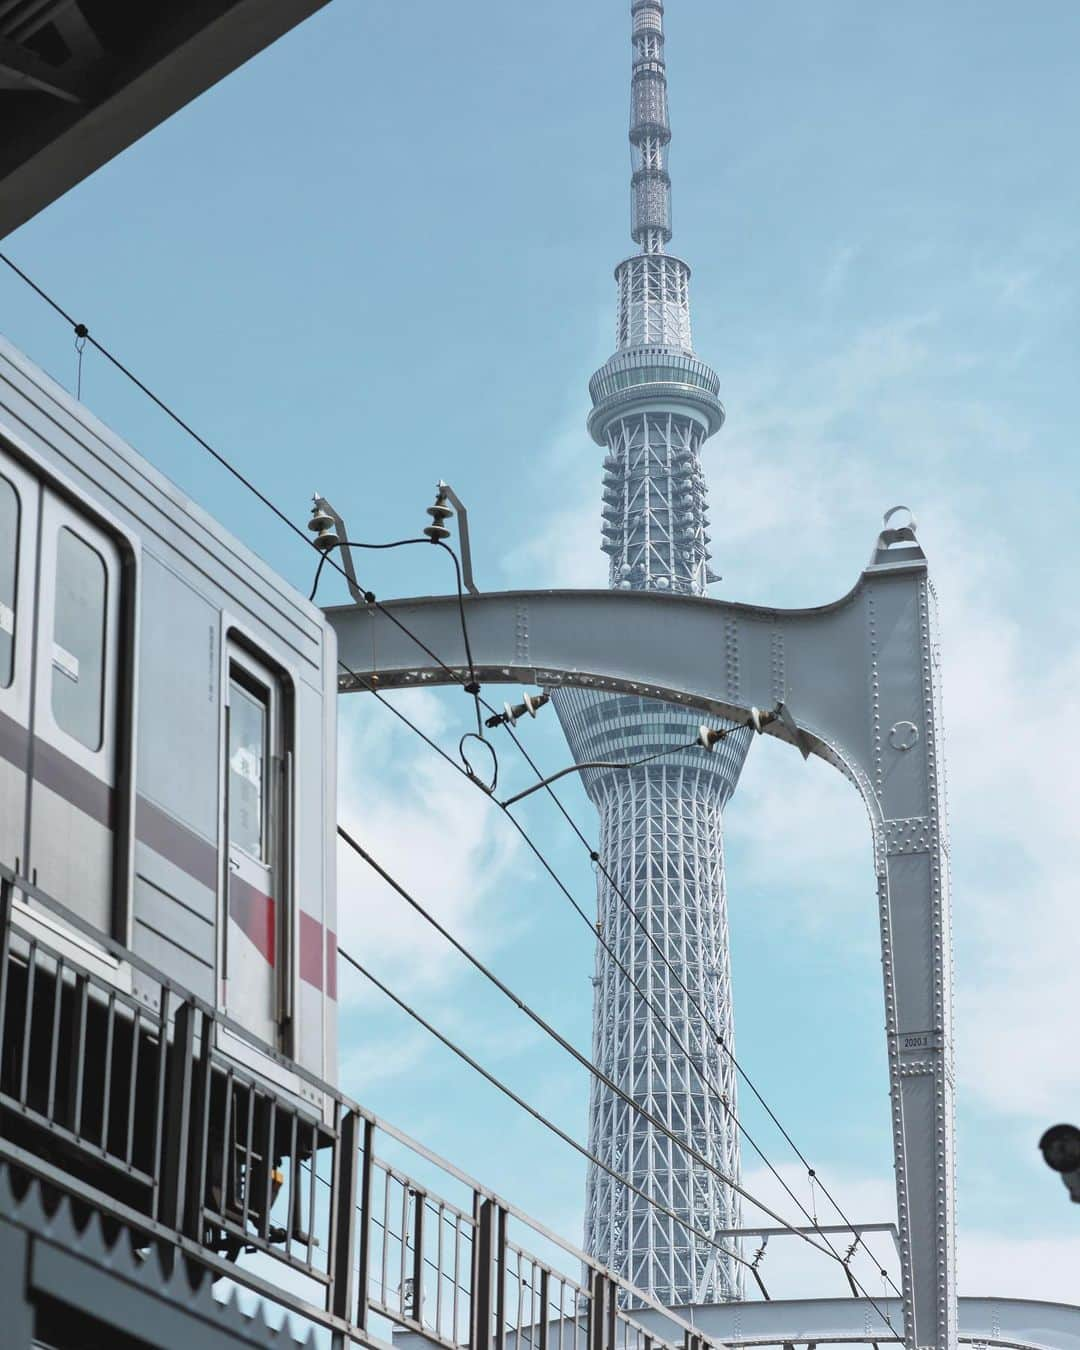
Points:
(661, 826)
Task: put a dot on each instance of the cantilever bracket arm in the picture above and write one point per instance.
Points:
(860, 679)
(344, 549)
(445, 490)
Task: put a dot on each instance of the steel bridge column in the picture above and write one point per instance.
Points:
(913, 889)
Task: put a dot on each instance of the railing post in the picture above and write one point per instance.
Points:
(176, 1126)
(191, 1214)
(489, 1277)
(601, 1312)
(416, 1304)
(343, 1216)
(545, 1279)
(502, 1218)
(364, 1255)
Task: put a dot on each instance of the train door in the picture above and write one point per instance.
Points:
(18, 555)
(74, 713)
(256, 952)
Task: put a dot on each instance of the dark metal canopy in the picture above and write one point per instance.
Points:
(80, 80)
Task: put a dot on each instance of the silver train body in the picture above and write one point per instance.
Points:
(167, 735)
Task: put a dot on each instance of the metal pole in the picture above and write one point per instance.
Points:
(343, 1216)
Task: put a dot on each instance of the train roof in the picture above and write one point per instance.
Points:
(38, 415)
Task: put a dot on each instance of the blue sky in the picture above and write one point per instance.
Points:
(382, 253)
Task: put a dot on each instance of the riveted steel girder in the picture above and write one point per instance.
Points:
(860, 678)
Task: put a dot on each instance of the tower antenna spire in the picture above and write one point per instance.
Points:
(650, 130)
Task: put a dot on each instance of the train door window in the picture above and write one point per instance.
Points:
(73, 813)
(257, 939)
(79, 637)
(248, 718)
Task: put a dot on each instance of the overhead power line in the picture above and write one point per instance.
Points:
(83, 332)
(537, 1115)
(596, 858)
(561, 1040)
(636, 986)
(83, 335)
(593, 1069)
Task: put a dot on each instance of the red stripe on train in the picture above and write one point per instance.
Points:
(313, 952)
(254, 914)
(331, 965)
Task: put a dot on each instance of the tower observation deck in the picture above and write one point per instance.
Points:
(655, 403)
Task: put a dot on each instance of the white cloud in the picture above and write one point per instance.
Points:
(797, 826)
(1002, 1266)
(376, 1059)
(1012, 706)
(432, 830)
(567, 552)
(563, 546)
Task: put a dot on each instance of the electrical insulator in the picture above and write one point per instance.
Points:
(322, 526)
(439, 513)
(509, 716)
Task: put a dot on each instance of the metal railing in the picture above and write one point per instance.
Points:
(126, 1101)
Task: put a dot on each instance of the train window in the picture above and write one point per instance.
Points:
(9, 565)
(78, 650)
(247, 770)
(257, 957)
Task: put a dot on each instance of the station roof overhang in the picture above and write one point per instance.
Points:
(81, 80)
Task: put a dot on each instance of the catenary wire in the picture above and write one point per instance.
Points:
(531, 1110)
(629, 977)
(83, 334)
(829, 1250)
(604, 1078)
(555, 1035)
(622, 896)
(728, 1052)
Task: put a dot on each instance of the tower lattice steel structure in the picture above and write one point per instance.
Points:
(661, 826)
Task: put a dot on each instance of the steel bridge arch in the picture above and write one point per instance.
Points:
(860, 678)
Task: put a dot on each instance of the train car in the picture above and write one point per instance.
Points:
(167, 739)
